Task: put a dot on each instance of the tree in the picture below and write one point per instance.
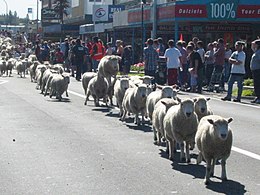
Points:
(60, 7)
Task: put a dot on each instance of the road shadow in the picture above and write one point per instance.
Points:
(142, 127)
(63, 100)
(228, 187)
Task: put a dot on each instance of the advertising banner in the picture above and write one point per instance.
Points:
(104, 13)
(49, 14)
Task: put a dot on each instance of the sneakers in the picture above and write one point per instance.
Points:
(226, 99)
(236, 100)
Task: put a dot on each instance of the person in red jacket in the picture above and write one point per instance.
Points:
(97, 53)
(59, 57)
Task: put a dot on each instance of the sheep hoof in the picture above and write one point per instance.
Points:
(188, 161)
(206, 182)
(224, 178)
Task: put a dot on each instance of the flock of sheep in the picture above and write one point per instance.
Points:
(174, 120)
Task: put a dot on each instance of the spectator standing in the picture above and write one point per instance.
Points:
(173, 56)
(79, 52)
(45, 51)
(109, 50)
(196, 69)
(219, 61)
(72, 58)
(227, 65)
(65, 47)
(184, 72)
(127, 59)
(97, 53)
(59, 57)
(237, 59)
(37, 50)
(201, 51)
(161, 48)
(119, 52)
(151, 58)
(255, 68)
(209, 62)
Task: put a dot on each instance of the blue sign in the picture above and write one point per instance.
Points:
(112, 9)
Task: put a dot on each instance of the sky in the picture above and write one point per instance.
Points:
(21, 7)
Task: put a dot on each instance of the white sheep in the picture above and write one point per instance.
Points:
(160, 110)
(136, 80)
(39, 74)
(32, 70)
(121, 85)
(201, 107)
(59, 85)
(214, 140)
(21, 67)
(134, 102)
(97, 88)
(180, 124)
(86, 77)
(45, 78)
(9, 66)
(155, 96)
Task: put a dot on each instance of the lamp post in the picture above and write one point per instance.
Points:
(37, 17)
(6, 16)
(142, 28)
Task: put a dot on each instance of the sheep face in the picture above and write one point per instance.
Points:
(142, 91)
(124, 84)
(187, 107)
(201, 105)
(167, 92)
(220, 127)
(147, 79)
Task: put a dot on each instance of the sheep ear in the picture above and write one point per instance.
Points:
(164, 103)
(195, 99)
(159, 86)
(152, 78)
(211, 121)
(136, 85)
(229, 120)
(207, 99)
(178, 99)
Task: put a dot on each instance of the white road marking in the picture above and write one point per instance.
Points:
(247, 153)
(2, 82)
(235, 149)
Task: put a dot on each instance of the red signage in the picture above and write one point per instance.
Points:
(191, 11)
(248, 11)
(136, 16)
(166, 12)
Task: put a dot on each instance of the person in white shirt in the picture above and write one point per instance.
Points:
(237, 59)
(173, 56)
(201, 51)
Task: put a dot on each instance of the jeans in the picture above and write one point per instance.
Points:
(239, 79)
(209, 70)
(183, 75)
(95, 65)
(79, 66)
(226, 71)
(256, 77)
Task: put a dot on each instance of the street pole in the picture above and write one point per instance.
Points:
(6, 15)
(154, 32)
(37, 17)
(142, 30)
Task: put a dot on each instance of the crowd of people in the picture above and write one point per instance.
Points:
(187, 64)
(192, 68)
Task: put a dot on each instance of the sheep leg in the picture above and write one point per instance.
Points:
(171, 149)
(212, 167)
(142, 114)
(67, 95)
(208, 168)
(159, 136)
(199, 158)
(123, 114)
(155, 135)
(187, 145)
(87, 97)
(137, 120)
(182, 158)
(223, 171)
(167, 147)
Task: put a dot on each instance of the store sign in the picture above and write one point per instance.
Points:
(49, 14)
(190, 11)
(166, 12)
(221, 28)
(222, 10)
(104, 13)
(248, 11)
(136, 16)
(30, 10)
(114, 8)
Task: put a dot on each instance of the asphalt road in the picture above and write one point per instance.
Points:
(51, 147)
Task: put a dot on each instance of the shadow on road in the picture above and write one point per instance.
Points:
(229, 187)
(143, 128)
(63, 100)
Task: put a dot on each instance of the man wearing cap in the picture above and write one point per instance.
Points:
(255, 68)
(237, 59)
(79, 52)
(65, 50)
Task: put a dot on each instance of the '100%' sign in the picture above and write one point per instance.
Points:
(222, 10)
